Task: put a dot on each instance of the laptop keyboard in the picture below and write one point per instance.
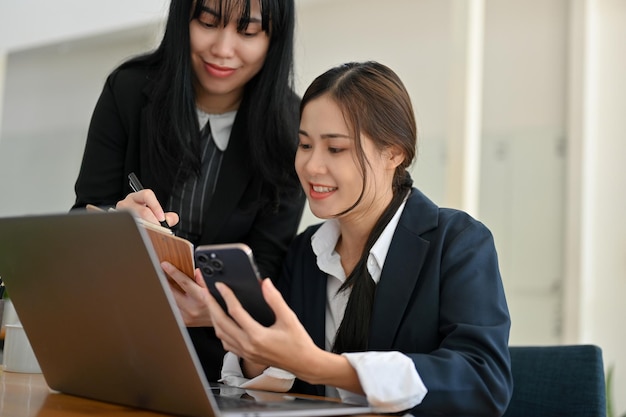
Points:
(239, 403)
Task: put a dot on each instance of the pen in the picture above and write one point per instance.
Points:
(135, 184)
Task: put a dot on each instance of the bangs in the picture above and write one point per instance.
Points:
(227, 11)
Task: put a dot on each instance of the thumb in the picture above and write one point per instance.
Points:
(273, 297)
(199, 278)
(171, 218)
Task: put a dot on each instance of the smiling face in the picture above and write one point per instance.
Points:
(328, 167)
(223, 58)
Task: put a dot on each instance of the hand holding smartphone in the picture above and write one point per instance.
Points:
(233, 264)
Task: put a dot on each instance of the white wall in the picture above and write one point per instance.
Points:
(32, 23)
(326, 37)
(64, 48)
(42, 134)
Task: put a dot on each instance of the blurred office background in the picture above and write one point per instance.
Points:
(520, 111)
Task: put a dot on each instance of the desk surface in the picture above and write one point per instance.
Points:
(27, 395)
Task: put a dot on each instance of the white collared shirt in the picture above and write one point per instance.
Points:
(389, 379)
(323, 243)
(221, 126)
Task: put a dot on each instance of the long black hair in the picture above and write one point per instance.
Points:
(374, 102)
(269, 98)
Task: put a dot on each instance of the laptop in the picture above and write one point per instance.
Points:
(103, 323)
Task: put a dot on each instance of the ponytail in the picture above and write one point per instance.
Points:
(353, 332)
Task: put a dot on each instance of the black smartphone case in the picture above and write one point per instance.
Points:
(233, 264)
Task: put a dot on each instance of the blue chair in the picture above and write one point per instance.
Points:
(553, 381)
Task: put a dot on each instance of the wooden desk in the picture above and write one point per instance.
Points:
(27, 395)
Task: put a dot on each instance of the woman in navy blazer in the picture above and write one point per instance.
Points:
(392, 301)
(439, 300)
(228, 61)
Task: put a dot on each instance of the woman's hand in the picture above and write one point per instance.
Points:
(285, 344)
(145, 205)
(191, 295)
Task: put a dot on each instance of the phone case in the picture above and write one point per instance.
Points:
(233, 264)
(168, 247)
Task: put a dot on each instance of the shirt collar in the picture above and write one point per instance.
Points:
(325, 239)
(381, 247)
(221, 126)
(323, 243)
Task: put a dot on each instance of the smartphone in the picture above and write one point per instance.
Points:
(233, 264)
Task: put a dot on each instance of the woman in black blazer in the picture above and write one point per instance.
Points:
(208, 122)
(392, 301)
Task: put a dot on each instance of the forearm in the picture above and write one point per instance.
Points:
(251, 369)
(326, 368)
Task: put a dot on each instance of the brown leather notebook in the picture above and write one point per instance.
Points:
(168, 247)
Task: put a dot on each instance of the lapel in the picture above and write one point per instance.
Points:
(310, 305)
(402, 269)
(315, 306)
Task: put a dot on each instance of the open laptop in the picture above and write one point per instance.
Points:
(103, 323)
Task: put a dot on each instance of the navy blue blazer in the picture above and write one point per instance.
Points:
(118, 143)
(440, 300)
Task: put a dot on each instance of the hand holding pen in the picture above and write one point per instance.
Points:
(145, 204)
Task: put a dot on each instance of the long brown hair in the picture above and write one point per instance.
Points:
(374, 102)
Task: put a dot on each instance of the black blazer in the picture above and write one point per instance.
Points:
(117, 144)
(440, 300)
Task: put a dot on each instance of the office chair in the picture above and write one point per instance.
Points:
(554, 381)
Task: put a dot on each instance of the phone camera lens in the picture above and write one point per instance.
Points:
(207, 271)
(217, 264)
(202, 258)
